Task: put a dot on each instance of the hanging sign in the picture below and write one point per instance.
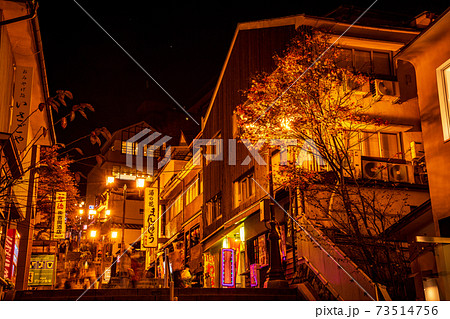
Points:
(151, 215)
(22, 98)
(59, 230)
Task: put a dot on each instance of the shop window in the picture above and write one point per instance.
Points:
(443, 81)
(243, 189)
(213, 209)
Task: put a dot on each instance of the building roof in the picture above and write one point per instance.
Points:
(394, 35)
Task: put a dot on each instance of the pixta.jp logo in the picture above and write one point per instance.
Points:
(146, 144)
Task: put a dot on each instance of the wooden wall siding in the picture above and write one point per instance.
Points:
(253, 53)
(193, 207)
(6, 78)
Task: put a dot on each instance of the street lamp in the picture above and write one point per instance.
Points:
(140, 182)
(109, 180)
(93, 234)
(275, 274)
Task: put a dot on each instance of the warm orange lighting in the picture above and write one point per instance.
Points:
(81, 211)
(93, 233)
(140, 182)
(92, 212)
(114, 234)
(108, 212)
(109, 180)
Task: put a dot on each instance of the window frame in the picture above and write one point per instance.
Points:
(444, 98)
(392, 71)
(245, 182)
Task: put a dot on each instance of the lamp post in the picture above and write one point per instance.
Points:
(122, 245)
(275, 274)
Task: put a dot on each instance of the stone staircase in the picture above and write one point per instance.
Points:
(162, 294)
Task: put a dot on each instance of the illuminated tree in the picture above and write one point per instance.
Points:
(311, 97)
(54, 175)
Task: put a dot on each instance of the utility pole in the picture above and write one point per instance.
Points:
(123, 218)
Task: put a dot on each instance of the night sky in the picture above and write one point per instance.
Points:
(183, 45)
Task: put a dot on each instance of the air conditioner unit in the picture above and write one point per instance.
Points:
(389, 89)
(398, 173)
(354, 165)
(375, 170)
(417, 150)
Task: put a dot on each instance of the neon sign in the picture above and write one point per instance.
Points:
(228, 267)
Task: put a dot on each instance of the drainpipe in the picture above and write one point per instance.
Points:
(29, 16)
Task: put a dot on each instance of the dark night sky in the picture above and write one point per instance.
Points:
(181, 44)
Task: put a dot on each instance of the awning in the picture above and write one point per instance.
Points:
(242, 216)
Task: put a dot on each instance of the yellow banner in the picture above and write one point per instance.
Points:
(59, 229)
(151, 214)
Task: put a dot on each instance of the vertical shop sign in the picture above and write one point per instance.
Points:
(151, 215)
(59, 229)
(263, 260)
(210, 270)
(228, 267)
(22, 98)
(11, 253)
(254, 275)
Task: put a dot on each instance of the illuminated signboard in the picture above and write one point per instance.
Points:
(11, 254)
(41, 270)
(210, 270)
(253, 275)
(59, 230)
(151, 215)
(228, 268)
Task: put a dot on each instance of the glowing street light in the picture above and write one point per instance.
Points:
(81, 211)
(109, 180)
(114, 234)
(107, 212)
(140, 182)
(93, 233)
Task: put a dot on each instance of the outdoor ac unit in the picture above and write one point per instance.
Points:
(417, 150)
(384, 88)
(355, 164)
(398, 173)
(375, 170)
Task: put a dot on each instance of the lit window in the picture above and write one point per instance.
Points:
(376, 144)
(244, 188)
(213, 209)
(443, 77)
(366, 61)
(192, 192)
